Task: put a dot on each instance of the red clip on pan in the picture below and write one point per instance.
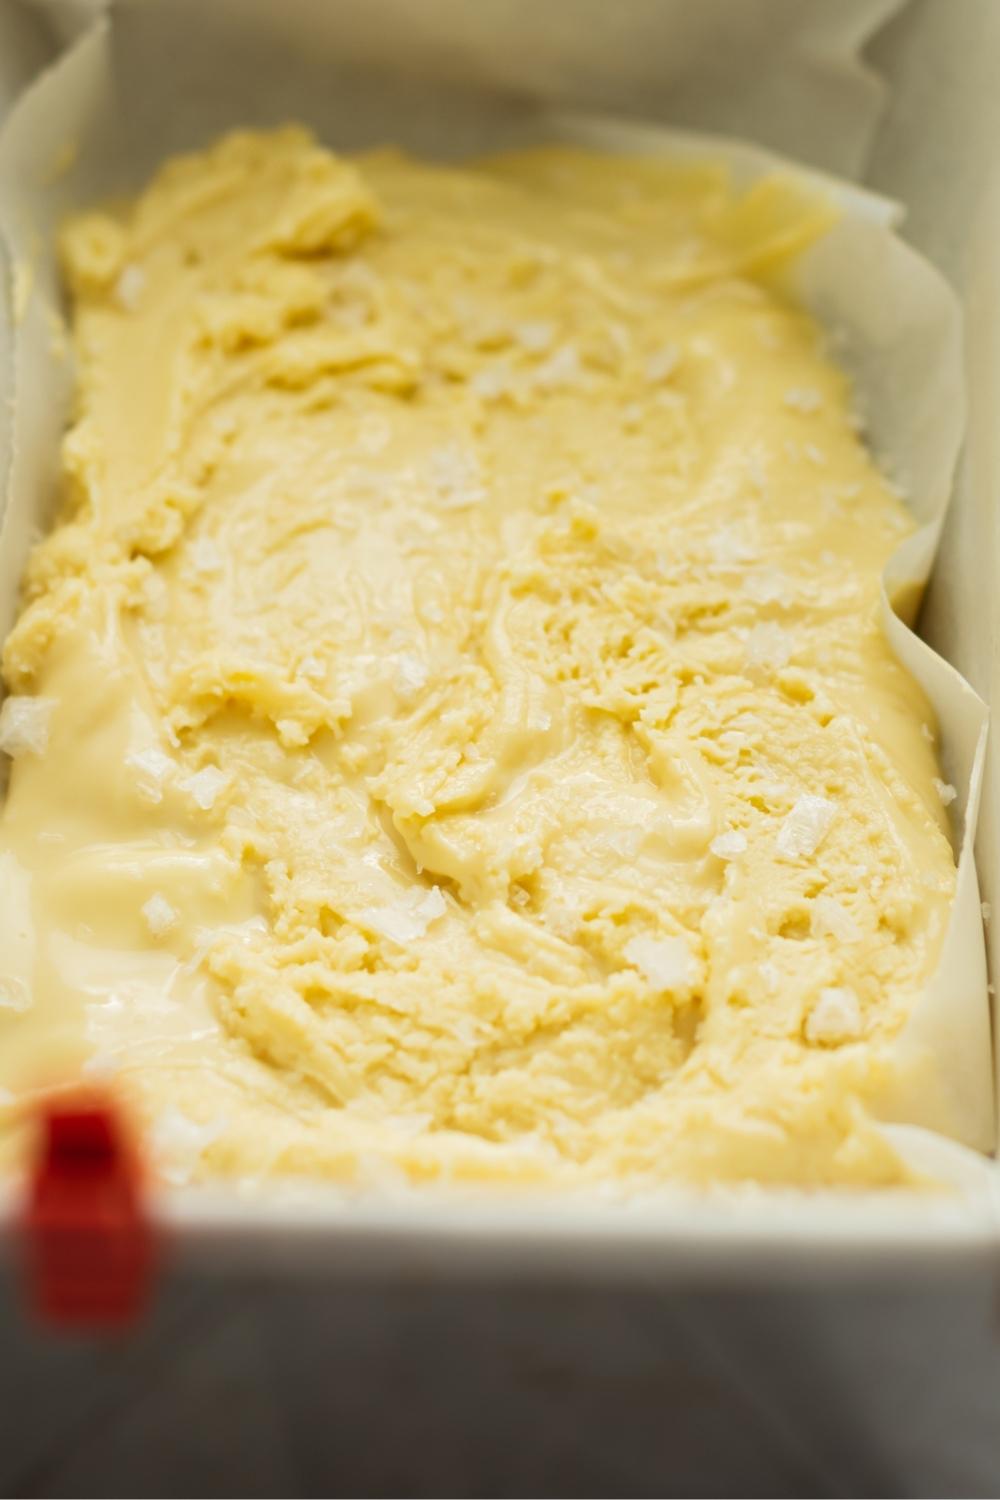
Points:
(88, 1238)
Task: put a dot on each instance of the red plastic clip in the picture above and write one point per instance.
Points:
(89, 1240)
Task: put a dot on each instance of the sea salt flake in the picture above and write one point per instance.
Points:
(813, 454)
(621, 338)
(804, 398)
(624, 841)
(986, 910)
(411, 673)
(178, 1142)
(771, 975)
(727, 547)
(768, 645)
(99, 1065)
(806, 826)
(830, 918)
(409, 1125)
(662, 364)
(756, 472)
(835, 1018)
(492, 381)
(312, 667)
(205, 555)
(129, 287)
(665, 962)
(409, 919)
(204, 786)
(945, 791)
(374, 434)
(564, 921)
(152, 767)
(729, 845)
(15, 994)
(535, 337)
(768, 586)
(156, 595)
(928, 733)
(24, 725)
(159, 914)
(561, 368)
(456, 476)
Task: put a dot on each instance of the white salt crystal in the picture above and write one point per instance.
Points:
(804, 398)
(99, 1065)
(129, 287)
(492, 381)
(408, 920)
(561, 368)
(756, 472)
(374, 434)
(411, 673)
(24, 725)
(836, 1017)
(535, 337)
(945, 791)
(662, 364)
(205, 555)
(204, 786)
(986, 910)
(771, 975)
(409, 1125)
(152, 768)
(621, 338)
(160, 915)
(178, 1142)
(624, 841)
(664, 962)
(769, 586)
(14, 993)
(768, 645)
(729, 845)
(156, 595)
(727, 547)
(831, 918)
(563, 920)
(312, 667)
(456, 477)
(928, 733)
(806, 826)
(813, 454)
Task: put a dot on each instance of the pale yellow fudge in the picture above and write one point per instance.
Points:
(453, 734)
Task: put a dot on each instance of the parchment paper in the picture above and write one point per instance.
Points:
(134, 91)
